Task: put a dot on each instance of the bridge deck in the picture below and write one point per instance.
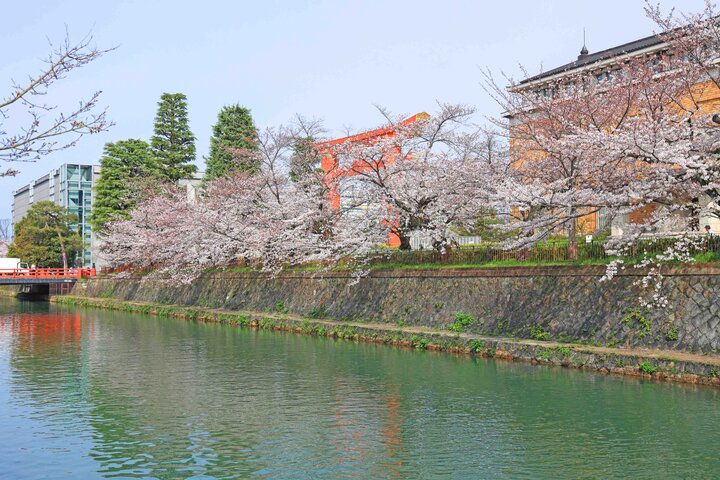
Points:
(30, 281)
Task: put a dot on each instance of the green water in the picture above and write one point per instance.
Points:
(92, 394)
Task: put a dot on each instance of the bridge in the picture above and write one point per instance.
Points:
(47, 276)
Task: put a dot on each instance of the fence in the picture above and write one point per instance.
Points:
(419, 242)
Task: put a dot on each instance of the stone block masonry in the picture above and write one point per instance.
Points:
(566, 304)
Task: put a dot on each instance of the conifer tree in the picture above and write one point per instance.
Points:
(173, 144)
(126, 167)
(234, 129)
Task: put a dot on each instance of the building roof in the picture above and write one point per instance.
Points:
(588, 59)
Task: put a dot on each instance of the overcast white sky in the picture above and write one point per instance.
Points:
(329, 59)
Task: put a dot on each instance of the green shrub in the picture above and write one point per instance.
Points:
(281, 308)
(647, 367)
(318, 312)
(564, 351)
(538, 333)
(419, 343)
(465, 319)
(477, 345)
(462, 320)
(634, 315)
(672, 334)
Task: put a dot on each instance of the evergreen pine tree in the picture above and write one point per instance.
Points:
(235, 129)
(173, 144)
(126, 167)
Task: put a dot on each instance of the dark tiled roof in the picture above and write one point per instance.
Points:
(640, 44)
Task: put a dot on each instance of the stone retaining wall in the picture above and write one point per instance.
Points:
(547, 303)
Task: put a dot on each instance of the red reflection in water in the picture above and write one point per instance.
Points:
(392, 429)
(43, 330)
(356, 428)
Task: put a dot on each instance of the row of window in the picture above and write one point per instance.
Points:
(79, 198)
(660, 62)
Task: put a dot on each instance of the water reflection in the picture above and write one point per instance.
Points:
(89, 394)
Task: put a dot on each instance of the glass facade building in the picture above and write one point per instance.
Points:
(70, 186)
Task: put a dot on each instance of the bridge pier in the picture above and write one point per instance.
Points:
(34, 291)
(61, 288)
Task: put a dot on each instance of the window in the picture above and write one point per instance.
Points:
(656, 63)
(604, 76)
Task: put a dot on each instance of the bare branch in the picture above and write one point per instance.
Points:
(38, 136)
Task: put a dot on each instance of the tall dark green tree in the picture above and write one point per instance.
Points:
(45, 236)
(173, 144)
(234, 129)
(128, 166)
(305, 158)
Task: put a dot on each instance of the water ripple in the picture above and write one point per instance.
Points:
(88, 394)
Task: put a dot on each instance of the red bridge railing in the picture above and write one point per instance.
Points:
(47, 273)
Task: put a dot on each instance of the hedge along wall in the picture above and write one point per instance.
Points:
(554, 303)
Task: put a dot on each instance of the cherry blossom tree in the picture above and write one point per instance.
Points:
(276, 217)
(695, 37)
(429, 177)
(632, 133)
(582, 143)
(616, 138)
(160, 233)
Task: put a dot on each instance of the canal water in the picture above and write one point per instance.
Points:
(92, 394)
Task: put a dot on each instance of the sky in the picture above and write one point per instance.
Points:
(334, 60)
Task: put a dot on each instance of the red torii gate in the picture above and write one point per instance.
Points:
(334, 173)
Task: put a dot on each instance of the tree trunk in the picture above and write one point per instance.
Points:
(571, 230)
(404, 241)
(62, 249)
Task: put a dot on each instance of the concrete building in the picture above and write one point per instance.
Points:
(70, 186)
